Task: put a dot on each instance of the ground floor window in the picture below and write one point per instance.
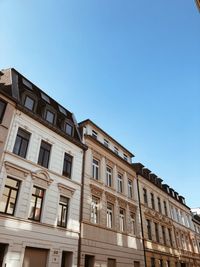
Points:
(136, 264)
(111, 262)
(67, 259)
(89, 260)
(3, 248)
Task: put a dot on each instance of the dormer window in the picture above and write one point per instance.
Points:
(116, 150)
(29, 102)
(125, 157)
(27, 83)
(45, 97)
(106, 143)
(68, 129)
(94, 134)
(49, 116)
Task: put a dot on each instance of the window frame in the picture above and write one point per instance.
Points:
(67, 162)
(119, 183)
(130, 188)
(66, 205)
(21, 139)
(149, 231)
(3, 109)
(159, 205)
(35, 205)
(44, 153)
(95, 169)
(9, 196)
(122, 220)
(145, 198)
(152, 201)
(94, 210)
(109, 176)
(157, 232)
(94, 134)
(109, 215)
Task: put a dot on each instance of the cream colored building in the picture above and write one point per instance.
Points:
(110, 226)
(168, 230)
(40, 179)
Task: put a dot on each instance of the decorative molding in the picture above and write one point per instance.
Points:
(120, 170)
(16, 171)
(132, 207)
(95, 190)
(96, 154)
(110, 163)
(110, 197)
(41, 178)
(121, 202)
(66, 190)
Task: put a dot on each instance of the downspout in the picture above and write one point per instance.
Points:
(145, 261)
(81, 210)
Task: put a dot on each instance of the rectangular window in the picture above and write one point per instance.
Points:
(67, 165)
(121, 220)
(149, 235)
(164, 235)
(119, 183)
(29, 103)
(125, 157)
(95, 169)
(50, 116)
(63, 211)
(157, 232)
(21, 143)
(132, 223)
(168, 263)
(111, 262)
(89, 261)
(95, 210)
(44, 154)
(130, 188)
(160, 262)
(108, 176)
(36, 203)
(153, 262)
(116, 150)
(2, 109)
(159, 205)
(9, 197)
(170, 237)
(94, 134)
(165, 208)
(145, 196)
(152, 201)
(68, 129)
(106, 143)
(109, 218)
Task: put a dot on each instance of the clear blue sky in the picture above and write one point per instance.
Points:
(131, 66)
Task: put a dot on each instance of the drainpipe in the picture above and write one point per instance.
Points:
(81, 210)
(145, 262)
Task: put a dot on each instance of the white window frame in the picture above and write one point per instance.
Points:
(94, 214)
(95, 169)
(109, 175)
(122, 213)
(130, 188)
(119, 183)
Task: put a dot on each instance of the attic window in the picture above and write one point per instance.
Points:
(68, 129)
(27, 83)
(94, 134)
(45, 97)
(50, 116)
(62, 110)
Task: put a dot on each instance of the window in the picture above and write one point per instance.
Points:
(106, 143)
(2, 109)
(165, 208)
(109, 215)
(29, 102)
(95, 210)
(94, 134)
(27, 83)
(116, 150)
(149, 230)
(160, 262)
(36, 203)
(157, 232)
(125, 157)
(9, 197)
(164, 235)
(130, 188)
(89, 261)
(159, 205)
(119, 183)
(153, 262)
(108, 176)
(121, 220)
(132, 223)
(63, 211)
(68, 129)
(95, 169)
(44, 154)
(168, 263)
(49, 116)
(67, 165)
(111, 262)
(21, 143)
(152, 201)
(62, 110)
(172, 212)
(45, 97)
(170, 237)
(145, 196)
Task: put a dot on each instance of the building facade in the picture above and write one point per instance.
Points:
(40, 178)
(168, 230)
(110, 225)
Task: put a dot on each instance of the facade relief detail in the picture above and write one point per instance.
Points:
(110, 197)
(15, 170)
(96, 154)
(41, 178)
(132, 208)
(122, 203)
(96, 190)
(66, 190)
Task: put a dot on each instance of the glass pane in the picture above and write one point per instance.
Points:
(50, 116)
(68, 129)
(3, 203)
(12, 183)
(59, 215)
(17, 145)
(38, 209)
(29, 103)
(12, 201)
(32, 208)
(64, 200)
(23, 149)
(64, 215)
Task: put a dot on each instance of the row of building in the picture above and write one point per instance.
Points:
(71, 196)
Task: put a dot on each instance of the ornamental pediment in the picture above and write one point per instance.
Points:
(121, 202)
(110, 197)
(95, 190)
(41, 178)
(66, 190)
(16, 171)
(96, 154)
(132, 207)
